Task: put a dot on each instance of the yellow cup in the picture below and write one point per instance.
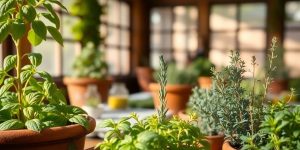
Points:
(117, 102)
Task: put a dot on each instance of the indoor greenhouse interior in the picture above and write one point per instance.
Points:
(150, 74)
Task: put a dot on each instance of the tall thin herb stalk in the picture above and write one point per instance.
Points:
(162, 76)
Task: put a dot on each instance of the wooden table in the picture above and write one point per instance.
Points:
(90, 143)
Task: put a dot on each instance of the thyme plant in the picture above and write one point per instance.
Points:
(26, 102)
(155, 132)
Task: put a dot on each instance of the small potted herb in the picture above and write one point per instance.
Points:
(205, 104)
(33, 112)
(89, 67)
(179, 88)
(202, 67)
(155, 132)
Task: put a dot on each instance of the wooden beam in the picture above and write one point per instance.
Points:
(275, 20)
(203, 27)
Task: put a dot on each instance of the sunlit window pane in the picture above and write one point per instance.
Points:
(125, 38)
(223, 41)
(161, 19)
(223, 17)
(125, 15)
(113, 57)
(125, 61)
(252, 39)
(192, 41)
(69, 54)
(292, 14)
(113, 12)
(247, 57)
(179, 40)
(47, 49)
(113, 37)
(292, 39)
(292, 62)
(160, 41)
(154, 57)
(68, 23)
(253, 15)
(180, 18)
(219, 57)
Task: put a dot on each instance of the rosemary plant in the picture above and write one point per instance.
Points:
(162, 111)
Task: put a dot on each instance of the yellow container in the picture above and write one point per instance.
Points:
(117, 102)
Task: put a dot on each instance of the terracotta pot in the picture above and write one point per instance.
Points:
(215, 141)
(145, 77)
(227, 146)
(277, 86)
(56, 138)
(77, 88)
(205, 82)
(177, 96)
(183, 115)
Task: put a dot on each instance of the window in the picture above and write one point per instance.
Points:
(116, 27)
(173, 33)
(57, 60)
(238, 27)
(292, 38)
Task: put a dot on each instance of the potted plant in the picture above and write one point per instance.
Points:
(202, 67)
(278, 130)
(89, 69)
(205, 105)
(144, 74)
(179, 88)
(34, 113)
(155, 132)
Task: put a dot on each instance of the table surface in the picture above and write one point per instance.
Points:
(90, 143)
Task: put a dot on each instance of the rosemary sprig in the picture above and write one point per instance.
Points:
(162, 77)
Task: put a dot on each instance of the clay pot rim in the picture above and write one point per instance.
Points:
(215, 136)
(25, 136)
(84, 80)
(171, 87)
(226, 144)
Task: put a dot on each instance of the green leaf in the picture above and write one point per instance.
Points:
(56, 20)
(26, 75)
(19, 30)
(5, 88)
(39, 28)
(11, 106)
(36, 85)
(54, 120)
(49, 17)
(59, 4)
(6, 5)
(12, 124)
(79, 119)
(34, 98)
(56, 35)
(35, 59)
(4, 115)
(29, 12)
(32, 2)
(46, 76)
(4, 30)
(34, 124)
(29, 112)
(10, 62)
(33, 38)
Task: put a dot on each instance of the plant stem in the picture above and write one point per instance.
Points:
(19, 84)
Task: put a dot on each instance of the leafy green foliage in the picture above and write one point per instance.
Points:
(154, 132)
(202, 67)
(26, 102)
(87, 27)
(15, 15)
(90, 63)
(278, 131)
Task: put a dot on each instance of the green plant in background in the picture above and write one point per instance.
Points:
(155, 132)
(87, 27)
(279, 130)
(202, 67)
(205, 103)
(90, 63)
(180, 76)
(26, 102)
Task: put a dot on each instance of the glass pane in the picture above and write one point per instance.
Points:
(47, 49)
(223, 17)
(292, 62)
(292, 40)
(253, 15)
(125, 38)
(292, 14)
(69, 54)
(67, 25)
(181, 20)
(154, 58)
(103, 30)
(223, 41)
(247, 57)
(113, 36)
(113, 60)
(113, 12)
(160, 41)
(252, 39)
(192, 41)
(193, 17)
(125, 61)
(219, 58)
(179, 40)
(161, 19)
(180, 58)
(125, 14)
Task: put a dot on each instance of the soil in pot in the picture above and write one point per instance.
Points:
(145, 77)
(56, 138)
(215, 141)
(77, 87)
(205, 82)
(177, 96)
